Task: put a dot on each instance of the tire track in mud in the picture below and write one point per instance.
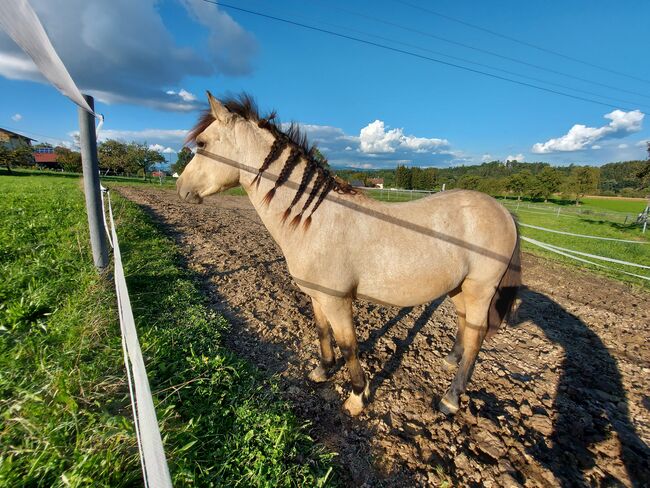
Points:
(558, 398)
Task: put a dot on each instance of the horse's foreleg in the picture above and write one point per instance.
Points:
(327, 357)
(453, 358)
(339, 313)
(474, 331)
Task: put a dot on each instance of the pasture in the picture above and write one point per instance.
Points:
(66, 418)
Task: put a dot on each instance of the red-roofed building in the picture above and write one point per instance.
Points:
(46, 159)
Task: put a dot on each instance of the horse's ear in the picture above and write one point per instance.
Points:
(216, 107)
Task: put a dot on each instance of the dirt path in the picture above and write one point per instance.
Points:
(560, 398)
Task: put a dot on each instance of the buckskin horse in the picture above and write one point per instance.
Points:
(340, 245)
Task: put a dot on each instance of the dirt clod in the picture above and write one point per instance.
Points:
(558, 398)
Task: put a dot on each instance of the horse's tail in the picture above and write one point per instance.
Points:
(502, 304)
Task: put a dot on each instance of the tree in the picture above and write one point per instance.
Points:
(469, 182)
(644, 173)
(548, 182)
(519, 183)
(141, 159)
(403, 177)
(69, 160)
(184, 156)
(583, 180)
(22, 155)
(4, 157)
(113, 156)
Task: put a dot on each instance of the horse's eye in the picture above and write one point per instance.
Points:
(200, 144)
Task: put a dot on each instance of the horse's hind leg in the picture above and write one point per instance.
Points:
(477, 303)
(339, 313)
(327, 357)
(453, 358)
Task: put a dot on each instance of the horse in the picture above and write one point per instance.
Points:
(340, 244)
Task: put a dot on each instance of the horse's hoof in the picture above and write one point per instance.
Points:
(354, 405)
(449, 363)
(447, 406)
(318, 375)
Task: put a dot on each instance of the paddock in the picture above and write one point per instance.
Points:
(557, 398)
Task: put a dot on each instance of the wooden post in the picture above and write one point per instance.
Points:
(92, 189)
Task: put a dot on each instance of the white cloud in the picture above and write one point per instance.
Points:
(161, 148)
(377, 147)
(580, 136)
(517, 157)
(375, 139)
(122, 52)
(16, 117)
(487, 158)
(158, 139)
(622, 146)
(183, 95)
(596, 146)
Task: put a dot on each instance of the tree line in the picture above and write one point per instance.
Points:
(115, 157)
(532, 180)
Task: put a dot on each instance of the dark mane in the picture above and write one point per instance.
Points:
(292, 136)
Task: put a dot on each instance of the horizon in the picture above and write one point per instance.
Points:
(367, 107)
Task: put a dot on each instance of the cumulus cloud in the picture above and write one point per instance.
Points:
(122, 52)
(517, 157)
(183, 94)
(16, 117)
(375, 139)
(486, 158)
(580, 136)
(160, 148)
(376, 146)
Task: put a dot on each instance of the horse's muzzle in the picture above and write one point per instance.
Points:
(187, 195)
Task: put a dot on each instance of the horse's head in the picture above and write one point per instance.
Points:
(217, 132)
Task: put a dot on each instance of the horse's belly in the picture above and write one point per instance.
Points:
(406, 290)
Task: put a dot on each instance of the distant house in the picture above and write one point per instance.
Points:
(357, 183)
(376, 182)
(12, 140)
(47, 160)
(158, 174)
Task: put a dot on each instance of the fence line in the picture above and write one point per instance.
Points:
(566, 253)
(152, 455)
(586, 236)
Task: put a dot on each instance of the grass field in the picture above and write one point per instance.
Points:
(65, 417)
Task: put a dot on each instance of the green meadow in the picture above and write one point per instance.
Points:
(65, 414)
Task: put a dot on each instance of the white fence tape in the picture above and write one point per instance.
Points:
(18, 19)
(568, 253)
(583, 235)
(152, 454)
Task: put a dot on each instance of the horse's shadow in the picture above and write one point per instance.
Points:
(590, 402)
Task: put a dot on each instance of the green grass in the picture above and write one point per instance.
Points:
(615, 204)
(65, 416)
(588, 224)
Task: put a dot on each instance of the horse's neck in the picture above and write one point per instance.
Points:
(271, 213)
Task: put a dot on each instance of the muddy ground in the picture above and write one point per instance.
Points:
(561, 397)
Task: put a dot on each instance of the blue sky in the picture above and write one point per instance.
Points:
(148, 63)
